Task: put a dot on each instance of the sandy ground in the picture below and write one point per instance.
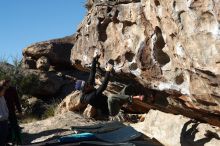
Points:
(53, 127)
(60, 125)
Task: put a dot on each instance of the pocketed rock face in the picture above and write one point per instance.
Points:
(168, 45)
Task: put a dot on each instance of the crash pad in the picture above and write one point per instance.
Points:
(99, 143)
(83, 143)
(123, 134)
(77, 137)
(99, 128)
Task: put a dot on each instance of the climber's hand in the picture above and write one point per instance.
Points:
(108, 67)
(96, 55)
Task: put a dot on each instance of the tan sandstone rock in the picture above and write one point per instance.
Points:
(57, 50)
(90, 112)
(45, 83)
(43, 63)
(170, 46)
(167, 45)
(71, 103)
(177, 130)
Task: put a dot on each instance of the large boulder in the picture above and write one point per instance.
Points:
(28, 63)
(167, 45)
(34, 107)
(57, 51)
(71, 103)
(177, 130)
(46, 84)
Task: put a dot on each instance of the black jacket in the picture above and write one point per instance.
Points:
(96, 98)
(12, 100)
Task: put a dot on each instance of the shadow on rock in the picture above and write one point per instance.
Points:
(188, 136)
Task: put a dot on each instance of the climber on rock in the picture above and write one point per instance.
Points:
(95, 97)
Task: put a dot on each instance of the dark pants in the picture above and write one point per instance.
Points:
(15, 129)
(3, 132)
(116, 101)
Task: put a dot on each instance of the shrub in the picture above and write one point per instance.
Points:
(49, 112)
(24, 83)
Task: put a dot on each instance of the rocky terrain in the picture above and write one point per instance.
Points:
(52, 127)
(180, 131)
(168, 48)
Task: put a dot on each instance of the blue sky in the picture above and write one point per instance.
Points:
(23, 22)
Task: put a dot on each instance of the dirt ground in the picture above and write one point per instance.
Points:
(53, 127)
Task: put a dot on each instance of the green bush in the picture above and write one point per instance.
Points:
(24, 83)
(49, 112)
